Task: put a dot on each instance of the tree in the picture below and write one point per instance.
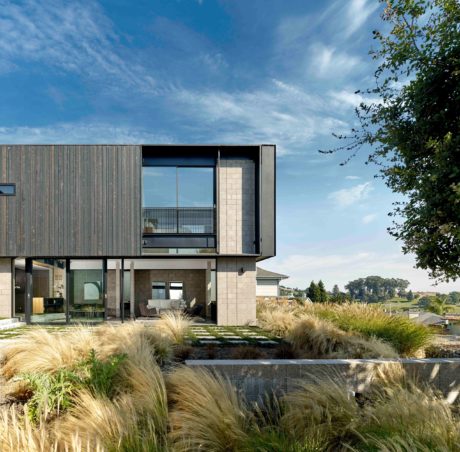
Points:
(313, 292)
(410, 296)
(322, 292)
(413, 127)
(454, 297)
(336, 293)
(438, 305)
(376, 288)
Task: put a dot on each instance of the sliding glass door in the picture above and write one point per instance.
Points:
(87, 290)
(48, 291)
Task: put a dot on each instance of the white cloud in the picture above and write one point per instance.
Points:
(327, 62)
(278, 112)
(80, 133)
(369, 218)
(76, 37)
(357, 12)
(349, 196)
(352, 177)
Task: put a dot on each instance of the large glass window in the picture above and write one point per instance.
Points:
(195, 187)
(48, 291)
(86, 291)
(178, 200)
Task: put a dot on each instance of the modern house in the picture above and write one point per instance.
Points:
(268, 283)
(90, 232)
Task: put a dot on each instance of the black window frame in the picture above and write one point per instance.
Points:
(7, 184)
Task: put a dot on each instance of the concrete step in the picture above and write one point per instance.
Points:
(6, 324)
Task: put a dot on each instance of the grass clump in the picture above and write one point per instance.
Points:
(175, 325)
(376, 333)
(207, 412)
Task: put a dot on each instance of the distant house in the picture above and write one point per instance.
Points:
(268, 283)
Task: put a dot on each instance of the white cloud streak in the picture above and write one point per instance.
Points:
(369, 218)
(80, 133)
(75, 37)
(349, 196)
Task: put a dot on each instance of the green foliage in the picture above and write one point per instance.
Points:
(437, 305)
(376, 288)
(322, 292)
(313, 292)
(403, 334)
(51, 393)
(414, 128)
(101, 375)
(410, 296)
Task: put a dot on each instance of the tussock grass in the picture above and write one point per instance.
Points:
(365, 321)
(135, 409)
(312, 337)
(175, 325)
(207, 412)
(42, 351)
(393, 417)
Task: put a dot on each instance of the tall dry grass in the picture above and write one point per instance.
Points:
(391, 417)
(175, 325)
(207, 412)
(406, 337)
(44, 351)
(313, 338)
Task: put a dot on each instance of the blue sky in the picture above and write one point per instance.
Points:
(208, 71)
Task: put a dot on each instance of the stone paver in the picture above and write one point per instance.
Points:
(206, 337)
(205, 342)
(238, 342)
(269, 342)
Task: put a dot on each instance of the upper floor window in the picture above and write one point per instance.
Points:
(178, 186)
(7, 189)
(178, 200)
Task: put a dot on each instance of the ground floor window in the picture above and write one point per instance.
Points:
(86, 302)
(48, 291)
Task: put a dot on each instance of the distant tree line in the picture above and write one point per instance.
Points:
(376, 288)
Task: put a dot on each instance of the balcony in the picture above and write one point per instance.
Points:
(183, 220)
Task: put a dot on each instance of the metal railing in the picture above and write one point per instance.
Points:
(182, 220)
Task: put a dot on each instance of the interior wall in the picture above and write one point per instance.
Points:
(194, 284)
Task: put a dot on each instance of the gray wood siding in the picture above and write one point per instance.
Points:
(71, 200)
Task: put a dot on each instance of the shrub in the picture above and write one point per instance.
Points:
(101, 375)
(51, 393)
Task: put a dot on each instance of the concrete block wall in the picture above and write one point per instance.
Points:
(6, 288)
(236, 290)
(256, 378)
(236, 206)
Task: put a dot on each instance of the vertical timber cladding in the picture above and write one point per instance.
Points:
(71, 200)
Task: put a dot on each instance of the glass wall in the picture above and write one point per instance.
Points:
(87, 283)
(48, 291)
(20, 288)
(178, 200)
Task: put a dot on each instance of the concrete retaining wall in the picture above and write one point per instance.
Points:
(257, 377)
